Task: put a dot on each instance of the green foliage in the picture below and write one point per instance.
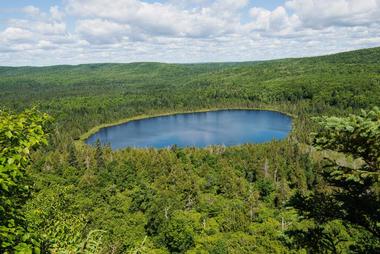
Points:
(353, 196)
(72, 160)
(212, 200)
(331, 237)
(83, 96)
(178, 233)
(357, 136)
(176, 203)
(99, 155)
(265, 188)
(19, 135)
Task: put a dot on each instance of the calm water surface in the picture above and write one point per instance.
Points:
(225, 127)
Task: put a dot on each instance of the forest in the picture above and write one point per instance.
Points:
(317, 191)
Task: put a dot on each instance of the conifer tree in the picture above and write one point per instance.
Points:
(99, 156)
(353, 196)
(73, 160)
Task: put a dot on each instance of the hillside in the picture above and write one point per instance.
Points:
(219, 199)
(345, 80)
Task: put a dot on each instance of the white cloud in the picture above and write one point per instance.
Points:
(102, 31)
(186, 30)
(274, 23)
(39, 27)
(49, 28)
(156, 18)
(227, 8)
(43, 44)
(322, 13)
(16, 35)
(31, 10)
(56, 13)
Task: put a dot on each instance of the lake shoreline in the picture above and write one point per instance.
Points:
(82, 139)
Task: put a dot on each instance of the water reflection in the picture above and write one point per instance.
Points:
(226, 127)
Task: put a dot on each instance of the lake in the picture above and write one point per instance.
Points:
(222, 127)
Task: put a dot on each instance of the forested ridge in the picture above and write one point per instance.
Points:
(278, 197)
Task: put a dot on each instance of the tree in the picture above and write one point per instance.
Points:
(73, 160)
(178, 234)
(99, 156)
(19, 135)
(353, 194)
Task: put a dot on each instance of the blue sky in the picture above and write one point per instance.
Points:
(42, 32)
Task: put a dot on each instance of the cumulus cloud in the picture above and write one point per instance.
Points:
(186, 30)
(322, 13)
(102, 31)
(273, 21)
(16, 35)
(155, 19)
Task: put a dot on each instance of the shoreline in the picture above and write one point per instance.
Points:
(95, 129)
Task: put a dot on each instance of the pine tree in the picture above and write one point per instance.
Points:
(73, 161)
(99, 156)
(352, 195)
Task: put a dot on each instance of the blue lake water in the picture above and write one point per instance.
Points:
(224, 127)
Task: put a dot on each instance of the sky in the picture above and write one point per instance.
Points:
(42, 32)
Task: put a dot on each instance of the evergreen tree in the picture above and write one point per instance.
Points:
(99, 156)
(353, 196)
(73, 161)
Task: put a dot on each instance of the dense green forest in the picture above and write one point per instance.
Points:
(315, 192)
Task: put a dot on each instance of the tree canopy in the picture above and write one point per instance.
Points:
(20, 134)
(276, 197)
(352, 193)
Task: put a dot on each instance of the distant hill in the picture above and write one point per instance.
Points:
(213, 200)
(349, 80)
